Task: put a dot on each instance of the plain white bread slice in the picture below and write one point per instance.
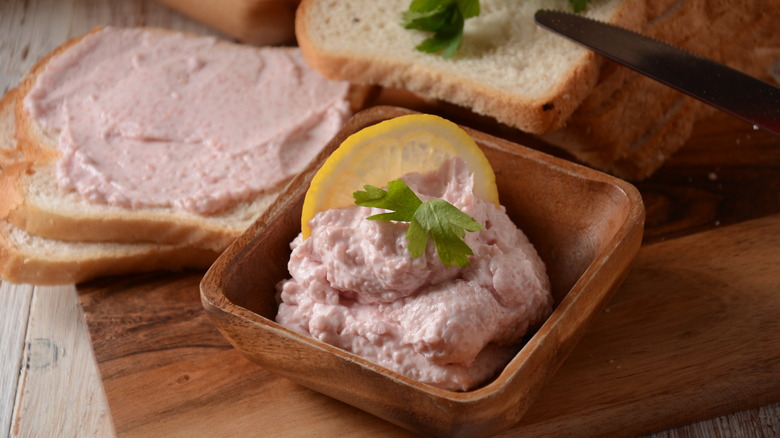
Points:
(42, 209)
(25, 258)
(33, 201)
(507, 67)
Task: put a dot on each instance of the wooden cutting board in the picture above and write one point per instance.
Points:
(693, 333)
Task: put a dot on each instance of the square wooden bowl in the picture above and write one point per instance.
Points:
(586, 226)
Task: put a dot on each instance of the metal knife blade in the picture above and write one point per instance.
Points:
(723, 87)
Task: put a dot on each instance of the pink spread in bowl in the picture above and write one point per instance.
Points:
(355, 286)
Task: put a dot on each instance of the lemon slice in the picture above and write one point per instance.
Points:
(388, 150)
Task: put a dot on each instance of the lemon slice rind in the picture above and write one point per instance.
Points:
(388, 150)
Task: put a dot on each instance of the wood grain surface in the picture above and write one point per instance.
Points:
(687, 337)
(15, 309)
(167, 372)
(61, 395)
(46, 351)
(596, 218)
(678, 344)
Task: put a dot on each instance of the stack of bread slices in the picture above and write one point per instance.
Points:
(507, 68)
(56, 255)
(630, 124)
(53, 236)
(525, 77)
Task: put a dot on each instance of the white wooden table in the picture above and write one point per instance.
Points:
(49, 380)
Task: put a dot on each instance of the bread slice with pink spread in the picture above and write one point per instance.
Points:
(148, 135)
(27, 258)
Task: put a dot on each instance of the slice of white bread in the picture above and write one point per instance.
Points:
(32, 200)
(507, 67)
(25, 258)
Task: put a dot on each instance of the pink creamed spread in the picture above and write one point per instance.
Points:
(355, 286)
(159, 119)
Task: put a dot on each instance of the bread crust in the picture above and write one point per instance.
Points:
(12, 160)
(10, 152)
(55, 262)
(33, 141)
(263, 22)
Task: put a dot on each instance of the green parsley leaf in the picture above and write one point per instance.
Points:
(447, 225)
(469, 8)
(437, 218)
(446, 18)
(399, 198)
(579, 5)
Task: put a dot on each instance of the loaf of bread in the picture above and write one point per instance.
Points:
(525, 77)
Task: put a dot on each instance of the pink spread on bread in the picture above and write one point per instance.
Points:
(355, 286)
(158, 119)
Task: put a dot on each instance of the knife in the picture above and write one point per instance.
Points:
(723, 87)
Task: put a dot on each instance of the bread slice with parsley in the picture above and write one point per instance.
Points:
(32, 200)
(507, 67)
(525, 77)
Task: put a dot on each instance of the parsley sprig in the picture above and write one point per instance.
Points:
(579, 5)
(446, 18)
(437, 218)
